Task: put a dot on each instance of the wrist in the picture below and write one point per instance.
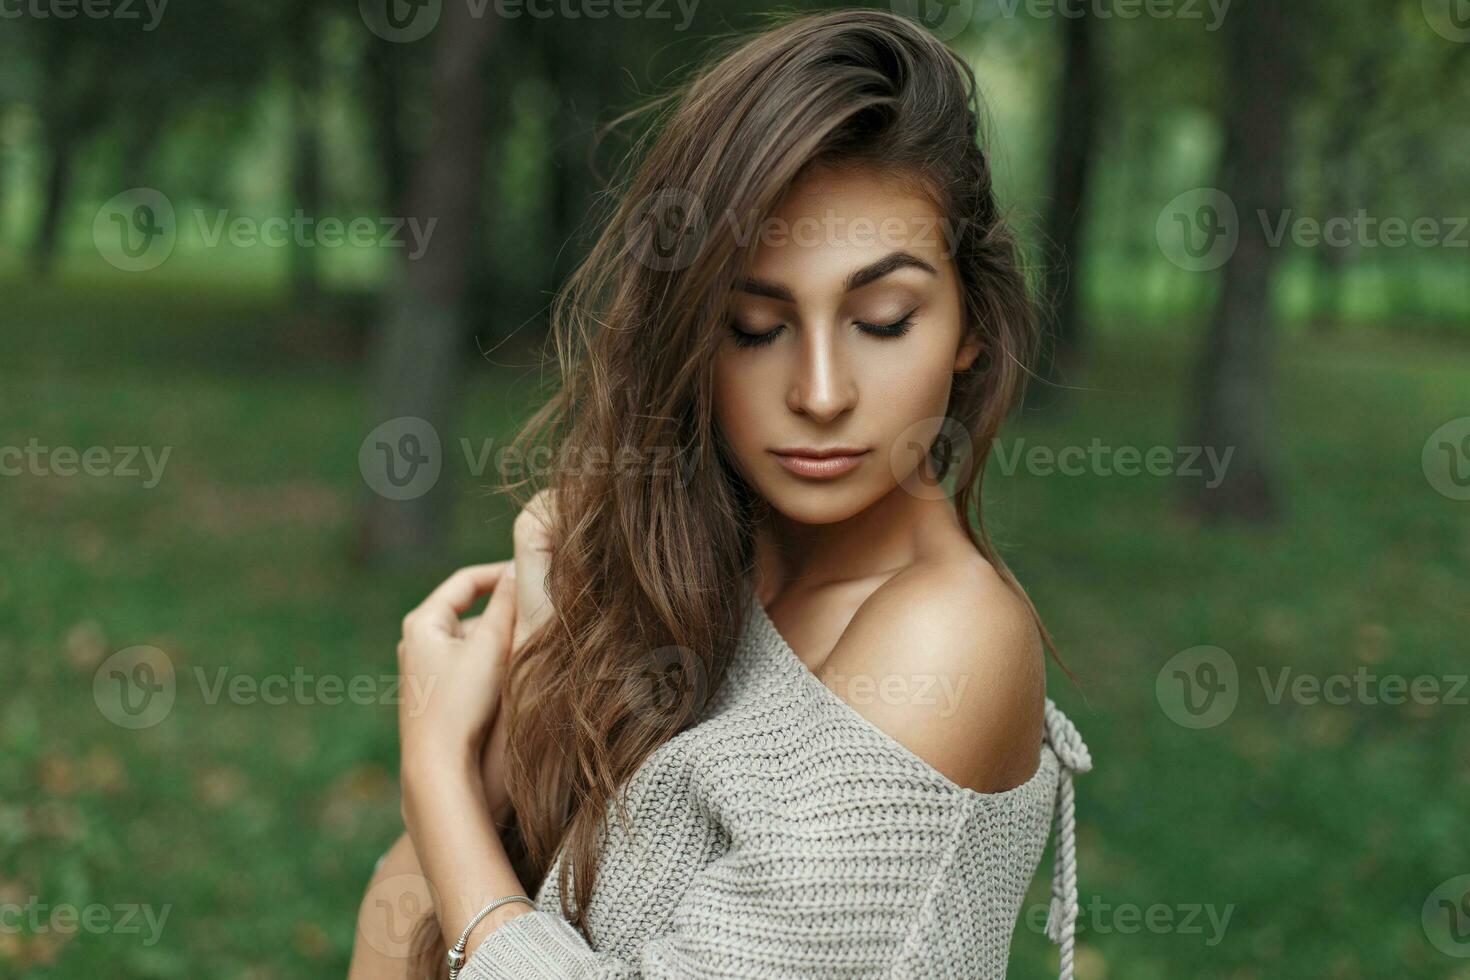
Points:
(494, 921)
(440, 774)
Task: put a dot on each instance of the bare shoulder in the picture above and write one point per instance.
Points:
(946, 658)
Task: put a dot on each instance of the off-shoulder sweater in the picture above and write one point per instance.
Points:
(786, 835)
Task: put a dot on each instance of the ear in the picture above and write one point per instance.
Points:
(969, 350)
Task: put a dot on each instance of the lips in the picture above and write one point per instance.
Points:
(820, 464)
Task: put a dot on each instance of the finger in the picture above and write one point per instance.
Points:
(492, 633)
(442, 609)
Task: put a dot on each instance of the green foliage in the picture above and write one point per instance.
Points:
(1322, 827)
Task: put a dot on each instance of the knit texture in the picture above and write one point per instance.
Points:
(785, 835)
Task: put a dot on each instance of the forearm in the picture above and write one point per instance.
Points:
(459, 846)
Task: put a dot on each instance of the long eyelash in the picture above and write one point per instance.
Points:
(743, 339)
(896, 329)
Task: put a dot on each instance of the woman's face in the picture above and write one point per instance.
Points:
(845, 335)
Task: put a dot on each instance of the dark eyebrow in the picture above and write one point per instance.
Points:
(858, 279)
(881, 268)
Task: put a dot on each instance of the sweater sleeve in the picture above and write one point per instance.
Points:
(841, 894)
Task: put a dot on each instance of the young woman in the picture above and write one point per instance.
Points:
(755, 696)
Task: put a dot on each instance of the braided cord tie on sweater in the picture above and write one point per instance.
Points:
(1071, 752)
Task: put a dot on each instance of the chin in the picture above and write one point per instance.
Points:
(820, 503)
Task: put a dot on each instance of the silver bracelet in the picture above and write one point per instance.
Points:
(456, 955)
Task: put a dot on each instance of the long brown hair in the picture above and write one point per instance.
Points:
(649, 558)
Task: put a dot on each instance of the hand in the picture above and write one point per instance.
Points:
(492, 760)
(452, 674)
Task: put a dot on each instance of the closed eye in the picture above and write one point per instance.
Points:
(744, 338)
(897, 328)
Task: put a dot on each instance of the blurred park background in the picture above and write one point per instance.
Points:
(237, 239)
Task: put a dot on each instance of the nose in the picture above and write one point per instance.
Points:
(823, 387)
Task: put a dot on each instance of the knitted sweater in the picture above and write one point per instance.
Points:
(785, 835)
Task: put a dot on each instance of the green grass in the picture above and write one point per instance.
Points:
(1322, 828)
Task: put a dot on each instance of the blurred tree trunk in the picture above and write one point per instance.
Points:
(385, 85)
(71, 107)
(1233, 373)
(142, 133)
(60, 146)
(306, 169)
(422, 340)
(5, 168)
(1073, 150)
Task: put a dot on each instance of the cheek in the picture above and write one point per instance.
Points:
(735, 406)
(912, 386)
